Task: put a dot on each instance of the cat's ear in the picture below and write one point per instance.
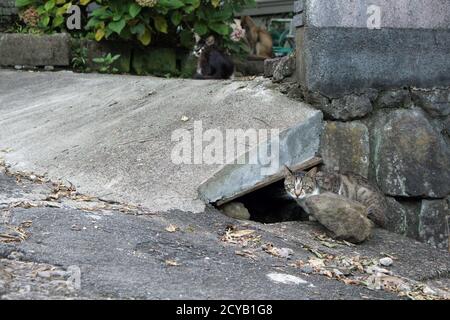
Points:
(287, 171)
(313, 172)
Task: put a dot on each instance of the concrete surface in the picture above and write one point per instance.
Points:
(111, 135)
(410, 14)
(339, 61)
(34, 50)
(338, 54)
(124, 256)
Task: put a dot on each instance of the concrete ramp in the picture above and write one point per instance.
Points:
(112, 136)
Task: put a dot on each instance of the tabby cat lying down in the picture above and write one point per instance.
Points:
(301, 185)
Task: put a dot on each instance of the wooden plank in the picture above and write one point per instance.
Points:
(272, 179)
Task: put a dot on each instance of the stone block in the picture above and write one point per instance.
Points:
(35, 50)
(411, 156)
(345, 146)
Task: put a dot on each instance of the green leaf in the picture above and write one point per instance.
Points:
(134, 10)
(145, 38)
(220, 28)
(23, 3)
(57, 21)
(176, 18)
(160, 24)
(171, 4)
(45, 20)
(200, 28)
(49, 5)
(138, 29)
(117, 26)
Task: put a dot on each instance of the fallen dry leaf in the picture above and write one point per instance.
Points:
(241, 233)
(14, 234)
(26, 224)
(172, 263)
(247, 254)
(240, 237)
(172, 228)
(270, 249)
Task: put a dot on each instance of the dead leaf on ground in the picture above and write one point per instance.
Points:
(297, 264)
(330, 242)
(270, 249)
(14, 234)
(26, 224)
(172, 228)
(278, 252)
(172, 263)
(241, 237)
(245, 78)
(241, 233)
(247, 254)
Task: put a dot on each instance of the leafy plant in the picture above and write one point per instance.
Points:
(49, 13)
(170, 23)
(79, 60)
(176, 21)
(106, 63)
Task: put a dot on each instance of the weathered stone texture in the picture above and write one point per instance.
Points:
(8, 12)
(249, 67)
(269, 66)
(435, 102)
(346, 146)
(344, 218)
(33, 50)
(396, 217)
(285, 68)
(433, 223)
(393, 99)
(333, 61)
(411, 157)
(347, 108)
(279, 68)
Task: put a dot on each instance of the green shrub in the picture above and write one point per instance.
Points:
(149, 22)
(46, 16)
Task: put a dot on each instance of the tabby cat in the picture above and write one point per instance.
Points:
(301, 185)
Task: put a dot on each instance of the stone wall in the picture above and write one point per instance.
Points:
(7, 13)
(379, 124)
(398, 138)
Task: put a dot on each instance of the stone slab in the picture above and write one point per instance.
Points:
(34, 50)
(111, 136)
(337, 61)
(411, 14)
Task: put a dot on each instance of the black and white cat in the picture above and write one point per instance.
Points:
(213, 63)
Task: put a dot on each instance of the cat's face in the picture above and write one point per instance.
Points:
(301, 185)
(201, 44)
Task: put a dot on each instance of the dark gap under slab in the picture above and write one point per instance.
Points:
(271, 204)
